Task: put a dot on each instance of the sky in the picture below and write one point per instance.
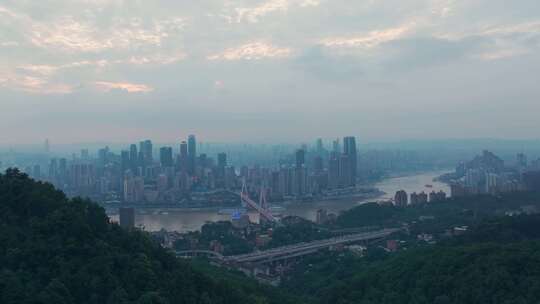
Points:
(268, 70)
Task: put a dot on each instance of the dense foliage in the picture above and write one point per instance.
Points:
(296, 230)
(234, 241)
(57, 250)
(463, 211)
(497, 262)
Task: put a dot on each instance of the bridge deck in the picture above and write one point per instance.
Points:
(309, 247)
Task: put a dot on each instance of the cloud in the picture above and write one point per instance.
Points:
(253, 14)
(70, 35)
(198, 55)
(369, 40)
(33, 85)
(105, 86)
(521, 28)
(45, 70)
(501, 41)
(252, 51)
(9, 44)
(154, 59)
(75, 34)
(502, 54)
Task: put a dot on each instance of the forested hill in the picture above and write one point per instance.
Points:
(497, 262)
(57, 250)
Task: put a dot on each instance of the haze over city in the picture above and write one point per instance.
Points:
(274, 70)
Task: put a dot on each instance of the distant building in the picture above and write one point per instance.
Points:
(333, 172)
(437, 196)
(322, 216)
(127, 218)
(166, 157)
(422, 198)
(401, 199)
(419, 198)
(300, 158)
(192, 154)
(349, 149)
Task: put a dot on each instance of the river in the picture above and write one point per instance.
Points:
(189, 220)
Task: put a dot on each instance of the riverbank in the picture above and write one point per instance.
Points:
(183, 220)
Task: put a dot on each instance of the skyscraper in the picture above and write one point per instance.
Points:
(318, 165)
(133, 158)
(335, 146)
(222, 160)
(192, 154)
(319, 146)
(124, 162)
(349, 149)
(183, 157)
(147, 152)
(184, 149)
(401, 198)
(221, 172)
(300, 158)
(166, 156)
(345, 172)
(333, 172)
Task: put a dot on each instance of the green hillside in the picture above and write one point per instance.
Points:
(57, 250)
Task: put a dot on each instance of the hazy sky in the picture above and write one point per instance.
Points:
(264, 70)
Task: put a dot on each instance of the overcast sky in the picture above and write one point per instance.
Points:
(268, 70)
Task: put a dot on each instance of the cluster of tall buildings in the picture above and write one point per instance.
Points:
(330, 171)
(143, 173)
(487, 174)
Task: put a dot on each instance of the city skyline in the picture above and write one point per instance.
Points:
(236, 70)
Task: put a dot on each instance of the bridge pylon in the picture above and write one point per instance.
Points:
(261, 207)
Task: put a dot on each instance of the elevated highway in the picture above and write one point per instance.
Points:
(300, 249)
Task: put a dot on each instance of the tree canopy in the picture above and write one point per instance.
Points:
(59, 250)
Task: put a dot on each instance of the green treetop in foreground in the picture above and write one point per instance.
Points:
(57, 250)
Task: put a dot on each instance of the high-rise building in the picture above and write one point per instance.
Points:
(192, 154)
(319, 147)
(335, 146)
(349, 149)
(103, 156)
(300, 186)
(53, 170)
(166, 156)
(300, 158)
(322, 216)
(127, 218)
(345, 172)
(222, 160)
(182, 161)
(221, 172)
(401, 198)
(333, 172)
(419, 198)
(133, 157)
(318, 166)
(147, 150)
(125, 161)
